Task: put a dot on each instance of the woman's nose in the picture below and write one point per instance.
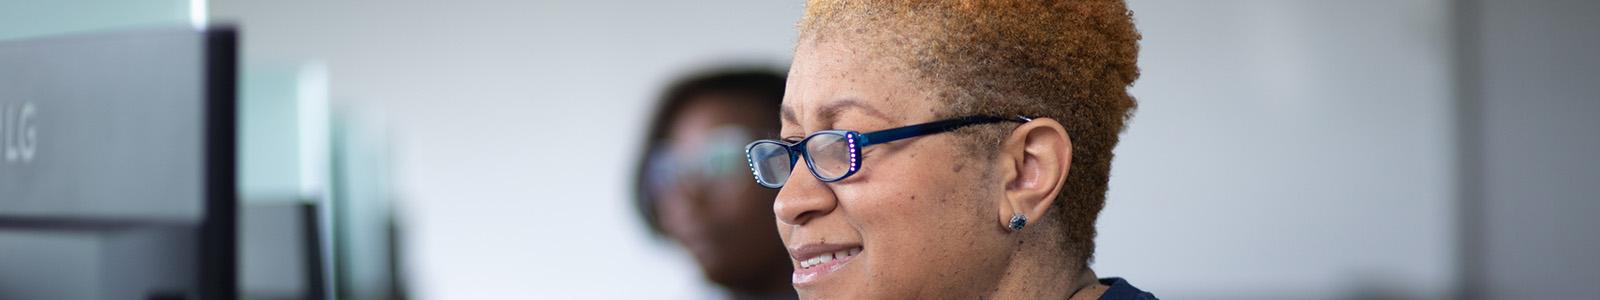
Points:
(803, 198)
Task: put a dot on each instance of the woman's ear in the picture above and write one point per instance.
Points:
(1039, 155)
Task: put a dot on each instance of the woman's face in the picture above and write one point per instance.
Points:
(709, 204)
(921, 212)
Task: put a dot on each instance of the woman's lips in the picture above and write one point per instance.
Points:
(815, 261)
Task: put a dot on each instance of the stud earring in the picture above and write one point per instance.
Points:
(1017, 222)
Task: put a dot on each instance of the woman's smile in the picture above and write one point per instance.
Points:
(814, 262)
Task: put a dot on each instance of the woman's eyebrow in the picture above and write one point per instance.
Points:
(829, 113)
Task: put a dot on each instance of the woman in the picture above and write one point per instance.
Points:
(950, 149)
(693, 185)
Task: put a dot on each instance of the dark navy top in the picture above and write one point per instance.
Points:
(1120, 289)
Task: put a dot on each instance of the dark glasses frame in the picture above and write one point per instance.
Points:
(855, 141)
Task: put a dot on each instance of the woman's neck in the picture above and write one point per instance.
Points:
(1042, 272)
(1088, 286)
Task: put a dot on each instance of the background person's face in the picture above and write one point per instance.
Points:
(920, 209)
(721, 216)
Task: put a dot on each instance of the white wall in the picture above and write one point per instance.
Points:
(1283, 148)
(1287, 149)
(1538, 100)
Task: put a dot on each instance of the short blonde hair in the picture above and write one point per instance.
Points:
(1072, 61)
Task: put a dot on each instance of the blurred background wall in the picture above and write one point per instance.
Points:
(1531, 100)
(1282, 149)
(1287, 150)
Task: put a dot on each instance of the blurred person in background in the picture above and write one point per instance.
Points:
(950, 149)
(693, 184)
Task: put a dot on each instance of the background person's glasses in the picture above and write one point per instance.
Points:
(714, 160)
(833, 155)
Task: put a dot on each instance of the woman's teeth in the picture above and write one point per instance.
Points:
(828, 257)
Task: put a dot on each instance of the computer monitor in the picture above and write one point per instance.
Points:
(117, 165)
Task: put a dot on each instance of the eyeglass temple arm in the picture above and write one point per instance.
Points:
(898, 133)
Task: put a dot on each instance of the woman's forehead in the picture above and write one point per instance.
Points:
(827, 84)
(832, 111)
(866, 101)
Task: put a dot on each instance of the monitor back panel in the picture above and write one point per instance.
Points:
(115, 165)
